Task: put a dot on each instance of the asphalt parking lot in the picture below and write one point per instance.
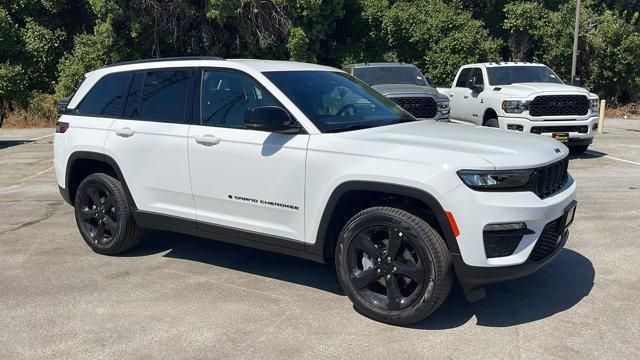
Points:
(177, 296)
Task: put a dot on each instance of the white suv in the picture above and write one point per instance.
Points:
(306, 160)
(524, 97)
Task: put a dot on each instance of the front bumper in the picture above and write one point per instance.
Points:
(473, 210)
(548, 128)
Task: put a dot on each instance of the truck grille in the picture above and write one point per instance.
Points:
(548, 180)
(583, 129)
(548, 241)
(555, 105)
(420, 107)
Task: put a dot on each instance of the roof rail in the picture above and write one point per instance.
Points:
(180, 58)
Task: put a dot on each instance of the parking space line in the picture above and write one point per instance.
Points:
(41, 137)
(614, 158)
(36, 174)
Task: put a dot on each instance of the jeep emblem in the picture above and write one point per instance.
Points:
(556, 150)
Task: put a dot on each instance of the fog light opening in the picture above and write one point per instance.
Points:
(515, 127)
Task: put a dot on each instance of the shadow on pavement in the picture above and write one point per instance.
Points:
(589, 154)
(555, 288)
(263, 263)
(9, 143)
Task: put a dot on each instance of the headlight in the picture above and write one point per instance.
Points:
(443, 106)
(495, 180)
(514, 106)
(594, 104)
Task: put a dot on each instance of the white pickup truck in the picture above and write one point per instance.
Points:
(524, 97)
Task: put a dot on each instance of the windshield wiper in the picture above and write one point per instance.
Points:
(348, 128)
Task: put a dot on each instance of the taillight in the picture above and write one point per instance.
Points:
(61, 127)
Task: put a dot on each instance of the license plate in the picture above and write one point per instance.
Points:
(569, 214)
(561, 136)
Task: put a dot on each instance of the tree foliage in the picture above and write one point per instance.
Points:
(47, 45)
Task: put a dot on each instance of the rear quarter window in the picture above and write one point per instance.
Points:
(106, 97)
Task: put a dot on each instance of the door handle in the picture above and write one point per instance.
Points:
(125, 132)
(207, 140)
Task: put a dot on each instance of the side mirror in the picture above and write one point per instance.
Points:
(477, 88)
(269, 118)
(429, 80)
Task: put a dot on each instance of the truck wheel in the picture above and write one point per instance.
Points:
(394, 267)
(578, 149)
(493, 122)
(103, 215)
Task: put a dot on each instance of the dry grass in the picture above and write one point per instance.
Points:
(42, 112)
(629, 111)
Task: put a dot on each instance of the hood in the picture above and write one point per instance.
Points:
(457, 145)
(404, 89)
(526, 89)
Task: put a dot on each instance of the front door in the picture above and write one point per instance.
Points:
(244, 179)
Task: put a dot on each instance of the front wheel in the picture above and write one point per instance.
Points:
(578, 149)
(103, 215)
(394, 266)
(493, 122)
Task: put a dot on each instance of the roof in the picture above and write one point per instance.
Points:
(505, 63)
(380, 64)
(191, 61)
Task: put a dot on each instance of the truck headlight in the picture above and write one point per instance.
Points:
(514, 106)
(499, 180)
(594, 104)
(443, 106)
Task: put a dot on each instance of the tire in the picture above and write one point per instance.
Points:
(405, 289)
(578, 149)
(103, 215)
(493, 122)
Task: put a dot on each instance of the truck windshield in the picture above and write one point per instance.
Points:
(379, 75)
(507, 75)
(336, 101)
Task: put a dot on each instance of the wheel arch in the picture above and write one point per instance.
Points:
(353, 196)
(489, 113)
(84, 163)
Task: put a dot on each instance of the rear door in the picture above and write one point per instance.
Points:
(242, 178)
(459, 96)
(149, 141)
(474, 109)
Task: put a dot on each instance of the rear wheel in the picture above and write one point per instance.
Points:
(394, 266)
(103, 215)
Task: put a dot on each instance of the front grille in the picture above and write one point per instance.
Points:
(583, 129)
(548, 180)
(420, 107)
(499, 245)
(548, 241)
(558, 105)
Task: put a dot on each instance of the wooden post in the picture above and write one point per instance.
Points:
(603, 103)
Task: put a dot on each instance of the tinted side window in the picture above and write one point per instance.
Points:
(462, 79)
(134, 97)
(105, 98)
(227, 95)
(164, 97)
(477, 74)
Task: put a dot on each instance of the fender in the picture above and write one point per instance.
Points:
(318, 247)
(90, 155)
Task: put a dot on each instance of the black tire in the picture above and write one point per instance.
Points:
(493, 122)
(420, 267)
(578, 149)
(103, 215)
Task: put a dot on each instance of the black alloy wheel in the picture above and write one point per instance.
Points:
(98, 215)
(386, 268)
(393, 265)
(103, 215)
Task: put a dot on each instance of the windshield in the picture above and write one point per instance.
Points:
(336, 101)
(379, 75)
(507, 75)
